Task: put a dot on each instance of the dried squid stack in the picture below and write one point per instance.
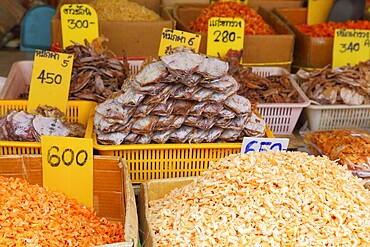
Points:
(181, 97)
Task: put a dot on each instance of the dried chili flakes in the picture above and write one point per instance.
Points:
(254, 24)
(30, 215)
(326, 30)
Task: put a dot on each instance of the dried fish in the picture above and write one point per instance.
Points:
(181, 97)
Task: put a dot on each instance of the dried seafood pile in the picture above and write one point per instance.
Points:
(182, 97)
(95, 75)
(350, 147)
(259, 89)
(22, 126)
(344, 85)
(265, 199)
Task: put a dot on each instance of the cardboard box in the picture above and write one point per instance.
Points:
(259, 50)
(272, 4)
(153, 190)
(136, 38)
(309, 52)
(114, 196)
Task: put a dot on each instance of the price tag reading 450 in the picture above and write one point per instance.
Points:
(350, 46)
(79, 22)
(51, 76)
(224, 34)
(253, 144)
(67, 166)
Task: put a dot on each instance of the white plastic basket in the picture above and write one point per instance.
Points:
(281, 117)
(329, 117)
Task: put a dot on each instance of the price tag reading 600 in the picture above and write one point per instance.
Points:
(51, 75)
(67, 166)
(224, 34)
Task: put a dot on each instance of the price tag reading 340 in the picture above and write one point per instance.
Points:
(51, 76)
(224, 34)
(175, 38)
(79, 22)
(253, 144)
(67, 166)
(350, 46)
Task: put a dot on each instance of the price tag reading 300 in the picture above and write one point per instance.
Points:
(350, 46)
(67, 166)
(79, 22)
(51, 76)
(224, 34)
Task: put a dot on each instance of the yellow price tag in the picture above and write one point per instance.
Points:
(350, 46)
(50, 81)
(67, 166)
(79, 22)
(318, 11)
(224, 34)
(174, 38)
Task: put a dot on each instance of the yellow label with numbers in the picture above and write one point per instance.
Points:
(175, 38)
(351, 46)
(50, 81)
(67, 166)
(79, 22)
(224, 34)
(318, 11)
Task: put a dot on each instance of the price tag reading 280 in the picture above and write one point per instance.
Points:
(224, 34)
(67, 166)
(51, 76)
(350, 46)
(79, 22)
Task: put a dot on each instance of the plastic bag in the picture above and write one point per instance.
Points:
(349, 147)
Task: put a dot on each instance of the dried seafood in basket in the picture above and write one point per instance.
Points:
(265, 199)
(350, 147)
(31, 215)
(344, 85)
(95, 75)
(47, 120)
(181, 97)
(259, 89)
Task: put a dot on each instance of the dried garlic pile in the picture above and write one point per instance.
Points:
(266, 199)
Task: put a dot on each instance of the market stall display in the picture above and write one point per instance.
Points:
(266, 49)
(350, 148)
(339, 96)
(136, 37)
(18, 119)
(271, 198)
(34, 216)
(181, 97)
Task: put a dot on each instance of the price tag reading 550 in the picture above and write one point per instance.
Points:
(51, 76)
(253, 144)
(67, 166)
(224, 34)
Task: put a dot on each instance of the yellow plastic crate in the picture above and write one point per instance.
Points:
(78, 111)
(158, 161)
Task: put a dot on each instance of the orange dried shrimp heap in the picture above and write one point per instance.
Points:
(326, 30)
(254, 24)
(30, 215)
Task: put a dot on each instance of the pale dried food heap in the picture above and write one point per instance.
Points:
(47, 120)
(344, 85)
(182, 97)
(266, 199)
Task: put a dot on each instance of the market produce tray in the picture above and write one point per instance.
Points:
(158, 161)
(114, 196)
(329, 117)
(153, 190)
(78, 111)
